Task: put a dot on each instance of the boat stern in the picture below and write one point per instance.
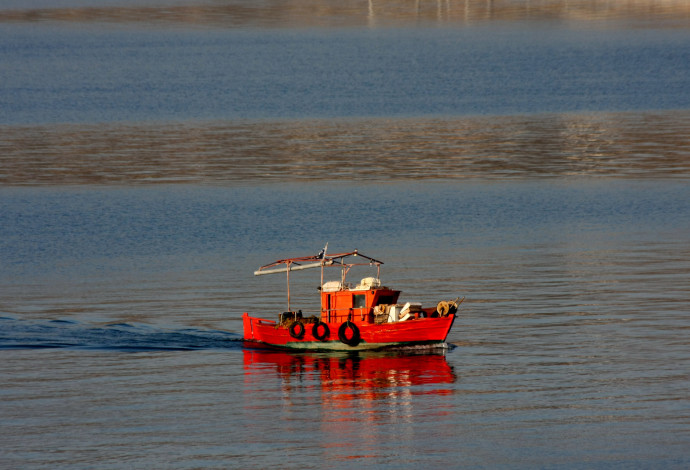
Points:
(248, 327)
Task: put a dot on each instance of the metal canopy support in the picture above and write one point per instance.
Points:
(319, 261)
(289, 267)
(293, 264)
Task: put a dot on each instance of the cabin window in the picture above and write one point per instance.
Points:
(359, 301)
(386, 299)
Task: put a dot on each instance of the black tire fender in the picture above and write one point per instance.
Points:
(315, 331)
(297, 330)
(354, 338)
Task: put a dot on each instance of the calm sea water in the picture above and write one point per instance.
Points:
(531, 156)
(74, 73)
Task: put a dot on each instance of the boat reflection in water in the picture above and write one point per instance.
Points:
(348, 376)
(336, 407)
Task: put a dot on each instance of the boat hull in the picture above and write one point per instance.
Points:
(415, 333)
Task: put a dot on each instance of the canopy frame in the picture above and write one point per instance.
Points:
(322, 260)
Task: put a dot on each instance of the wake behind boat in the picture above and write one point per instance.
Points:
(364, 316)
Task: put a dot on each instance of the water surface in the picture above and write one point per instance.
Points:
(116, 73)
(614, 145)
(531, 156)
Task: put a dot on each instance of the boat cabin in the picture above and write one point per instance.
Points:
(339, 303)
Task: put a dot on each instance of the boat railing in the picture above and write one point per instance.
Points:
(339, 315)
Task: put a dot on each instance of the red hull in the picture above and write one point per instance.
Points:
(410, 333)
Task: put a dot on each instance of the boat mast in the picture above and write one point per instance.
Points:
(323, 257)
(288, 284)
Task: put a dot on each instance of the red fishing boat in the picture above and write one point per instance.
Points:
(361, 316)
